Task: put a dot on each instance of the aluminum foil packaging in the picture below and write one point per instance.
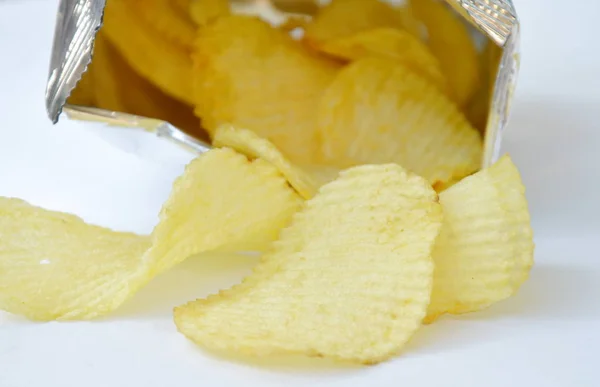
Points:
(494, 25)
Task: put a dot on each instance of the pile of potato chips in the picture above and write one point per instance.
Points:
(341, 152)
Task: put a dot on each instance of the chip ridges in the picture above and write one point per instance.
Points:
(350, 278)
(485, 249)
(377, 111)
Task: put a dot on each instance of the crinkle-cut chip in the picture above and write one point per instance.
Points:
(306, 181)
(377, 111)
(349, 279)
(251, 75)
(223, 202)
(449, 39)
(389, 43)
(204, 11)
(55, 266)
(343, 18)
(165, 18)
(165, 63)
(119, 88)
(485, 249)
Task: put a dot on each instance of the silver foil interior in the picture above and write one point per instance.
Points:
(78, 21)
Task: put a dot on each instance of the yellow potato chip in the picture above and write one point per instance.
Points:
(389, 43)
(55, 266)
(306, 181)
(485, 249)
(223, 202)
(165, 18)
(119, 88)
(203, 11)
(450, 41)
(343, 18)
(349, 279)
(165, 63)
(377, 111)
(251, 75)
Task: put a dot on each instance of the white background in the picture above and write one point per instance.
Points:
(548, 335)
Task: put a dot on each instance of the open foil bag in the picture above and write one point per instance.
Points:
(493, 24)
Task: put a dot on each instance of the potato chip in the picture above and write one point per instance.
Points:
(165, 18)
(349, 279)
(450, 41)
(254, 76)
(203, 11)
(344, 18)
(223, 202)
(305, 181)
(166, 63)
(389, 43)
(119, 88)
(55, 266)
(377, 111)
(485, 248)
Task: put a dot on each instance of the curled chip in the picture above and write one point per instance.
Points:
(377, 111)
(55, 266)
(223, 202)
(165, 63)
(251, 75)
(306, 181)
(344, 18)
(449, 40)
(203, 11)
(117, 87)
(389, 43)
(349, 279)
(485, 248)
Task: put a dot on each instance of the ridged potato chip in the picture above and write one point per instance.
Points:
(344, 18)
(117, 87)
(450, 41)
(55, 266)
(485, 249)
(223, 202)
(204, 11)
(306, 181)
(166, 63)
(350, 278)
(377, 111)
(251, 75)
(389, 43)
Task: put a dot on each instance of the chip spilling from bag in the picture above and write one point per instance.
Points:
(485, 250)
(349, 279)
(56, 266)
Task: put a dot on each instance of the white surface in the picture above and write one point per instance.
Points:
(548, 335)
